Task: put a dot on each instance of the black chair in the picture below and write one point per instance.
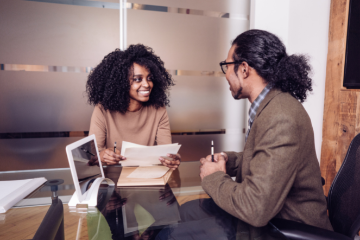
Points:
(343, 204)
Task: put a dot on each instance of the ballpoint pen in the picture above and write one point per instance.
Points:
(212, 151)
(115, 147)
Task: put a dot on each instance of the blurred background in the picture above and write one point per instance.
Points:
(48, 48)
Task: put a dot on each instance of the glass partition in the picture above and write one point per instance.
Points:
(192, 37)
(48, 47)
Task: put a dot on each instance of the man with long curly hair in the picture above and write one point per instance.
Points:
(277, 174)
(129, 90)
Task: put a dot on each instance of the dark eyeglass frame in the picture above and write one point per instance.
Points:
(223, 63)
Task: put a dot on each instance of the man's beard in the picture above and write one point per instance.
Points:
(237, 95)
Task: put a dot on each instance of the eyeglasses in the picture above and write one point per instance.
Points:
(224, 66)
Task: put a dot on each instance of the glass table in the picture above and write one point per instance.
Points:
(179, 210)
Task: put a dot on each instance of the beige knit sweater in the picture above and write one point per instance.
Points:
(148, 126)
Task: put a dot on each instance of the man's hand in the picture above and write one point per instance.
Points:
(109, 157)
(207, 167)
(216, 157)
(172, 161)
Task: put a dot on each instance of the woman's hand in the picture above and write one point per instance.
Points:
(167, 193)
(93, 161)
(172, 161)
(109, 157)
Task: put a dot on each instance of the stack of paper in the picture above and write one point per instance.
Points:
(143, 176)
(148, 172)
(139, 155)
(11, 192)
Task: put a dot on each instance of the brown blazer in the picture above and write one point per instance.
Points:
(278, 174)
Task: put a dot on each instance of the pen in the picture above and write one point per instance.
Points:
(115, 147)
(87, 151)
(212, 151)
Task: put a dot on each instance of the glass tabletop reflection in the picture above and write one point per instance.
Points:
(179, 210)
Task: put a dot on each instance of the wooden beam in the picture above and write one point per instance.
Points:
(341, 109)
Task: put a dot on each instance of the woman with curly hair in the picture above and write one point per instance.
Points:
(129, 90)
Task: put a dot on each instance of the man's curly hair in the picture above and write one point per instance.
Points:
(264, 52)
(108, 83)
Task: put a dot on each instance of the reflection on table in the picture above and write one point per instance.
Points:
(178, 210)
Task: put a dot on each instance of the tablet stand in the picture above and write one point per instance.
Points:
(90, 196)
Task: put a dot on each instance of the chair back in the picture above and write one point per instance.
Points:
(344, 193)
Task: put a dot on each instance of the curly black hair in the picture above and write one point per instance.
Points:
(264, 52)
(108, 83)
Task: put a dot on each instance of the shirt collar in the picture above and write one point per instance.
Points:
(255, 105)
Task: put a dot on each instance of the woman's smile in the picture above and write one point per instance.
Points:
(144, 93)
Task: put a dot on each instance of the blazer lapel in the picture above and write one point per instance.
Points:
(273, 92)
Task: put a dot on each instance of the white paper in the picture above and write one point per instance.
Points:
(7, 187)
(147, 155)
(149, 172)
(126, 144)
(12, 192)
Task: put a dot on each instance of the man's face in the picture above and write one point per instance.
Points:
(235, 82)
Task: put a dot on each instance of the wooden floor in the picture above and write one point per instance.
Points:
(22, 223)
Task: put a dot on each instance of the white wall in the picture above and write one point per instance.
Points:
(308, 33)
(303, 26)
(272, 16)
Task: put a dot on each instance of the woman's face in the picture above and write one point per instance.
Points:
(140, 84)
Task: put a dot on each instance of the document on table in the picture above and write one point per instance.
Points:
(139, 155)
(137, 179)
(11, 192)
(149, 172)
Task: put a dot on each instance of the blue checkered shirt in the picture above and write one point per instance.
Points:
(254, 107)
